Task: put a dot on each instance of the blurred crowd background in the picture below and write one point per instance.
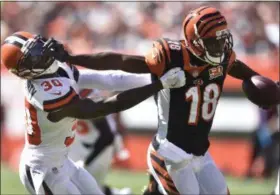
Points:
(131, 27)
(126, 25)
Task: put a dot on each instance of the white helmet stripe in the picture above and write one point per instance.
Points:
(15, 39)
(196, 31)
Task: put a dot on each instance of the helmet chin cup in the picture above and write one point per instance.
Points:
(214, 61)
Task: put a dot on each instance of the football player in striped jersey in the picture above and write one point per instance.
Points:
(178, 157)
(52, 105)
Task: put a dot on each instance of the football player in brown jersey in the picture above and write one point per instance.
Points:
(177, 157)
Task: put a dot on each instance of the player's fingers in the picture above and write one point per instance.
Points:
(174, 70)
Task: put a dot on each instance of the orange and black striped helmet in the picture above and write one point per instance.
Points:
(22, 54)
(207, 35)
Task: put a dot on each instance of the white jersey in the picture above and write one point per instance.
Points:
(48, 143)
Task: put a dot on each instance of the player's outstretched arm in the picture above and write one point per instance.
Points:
(112, 80)
(97, 61)
(111, 61)
(241, 71)
(88, 109)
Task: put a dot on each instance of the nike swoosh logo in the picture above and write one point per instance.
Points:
(56, 93)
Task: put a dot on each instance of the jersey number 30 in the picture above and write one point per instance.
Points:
(210, 99)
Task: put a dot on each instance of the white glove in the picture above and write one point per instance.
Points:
(174, 78)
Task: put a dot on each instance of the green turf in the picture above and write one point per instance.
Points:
(10, 183)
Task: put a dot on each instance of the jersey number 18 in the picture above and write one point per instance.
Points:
(210, 99)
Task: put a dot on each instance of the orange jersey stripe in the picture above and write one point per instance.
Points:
(61, 102)
(33, 137)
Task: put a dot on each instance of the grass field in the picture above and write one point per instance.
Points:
(10, 183)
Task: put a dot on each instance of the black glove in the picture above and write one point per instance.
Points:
(55, 49)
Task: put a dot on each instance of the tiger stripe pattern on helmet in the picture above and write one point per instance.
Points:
(205, 23)
(209, 22)
(210, 19)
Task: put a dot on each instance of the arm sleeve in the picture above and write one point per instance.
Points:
(111, 80)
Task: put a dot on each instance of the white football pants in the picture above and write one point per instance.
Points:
(67, 179)
(177, 172)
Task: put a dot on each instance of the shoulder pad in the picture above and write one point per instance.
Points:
(158, 57)
(71, 70)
